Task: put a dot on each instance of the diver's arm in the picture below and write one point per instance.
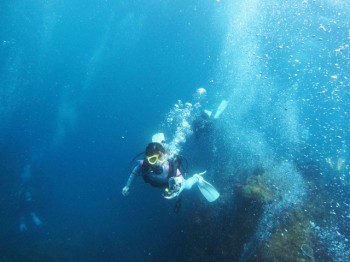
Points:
(131, 179)
(132, 176)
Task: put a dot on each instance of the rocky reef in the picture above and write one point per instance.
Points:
(264, 219)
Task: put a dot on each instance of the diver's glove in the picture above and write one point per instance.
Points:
(125, 191)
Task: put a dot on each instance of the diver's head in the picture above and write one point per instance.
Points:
(155, 153)
(155, 156)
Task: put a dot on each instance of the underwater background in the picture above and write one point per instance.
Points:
(85, 84)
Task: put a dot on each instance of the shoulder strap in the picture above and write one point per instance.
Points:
(174, 165)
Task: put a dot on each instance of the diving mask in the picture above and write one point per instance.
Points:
(156, 158)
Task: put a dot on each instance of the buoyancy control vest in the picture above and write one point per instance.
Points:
(149, 176)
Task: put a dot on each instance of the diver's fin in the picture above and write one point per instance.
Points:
(158, 138)
(36, 219)
(221, 109)
(209, 113)
(207, 189)
(22, 227)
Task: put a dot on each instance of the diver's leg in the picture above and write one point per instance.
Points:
(188, 183)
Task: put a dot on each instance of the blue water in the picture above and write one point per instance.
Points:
(84, 86)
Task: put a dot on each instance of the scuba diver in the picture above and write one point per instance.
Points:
(162, 171)
(203, 124)
(25, 201)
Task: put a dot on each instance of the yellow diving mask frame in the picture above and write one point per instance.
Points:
(156, 158)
